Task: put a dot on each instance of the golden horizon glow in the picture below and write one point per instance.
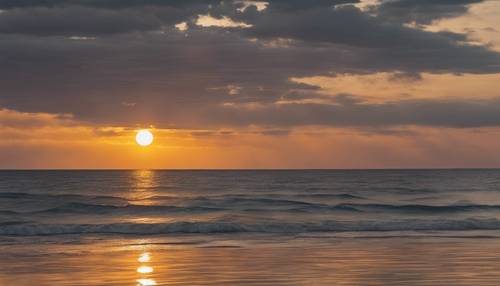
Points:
(144, 137)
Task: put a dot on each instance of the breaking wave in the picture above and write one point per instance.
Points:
(28, 229)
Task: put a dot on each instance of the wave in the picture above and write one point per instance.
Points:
(81, 208)
(28, 229)
(104, 205)
(91, 209)
(252, 205)
(331, 196)
(422, 208)
(7, 223)
(13, 195)
(231, 201)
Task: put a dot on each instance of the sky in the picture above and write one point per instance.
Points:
(250, 84)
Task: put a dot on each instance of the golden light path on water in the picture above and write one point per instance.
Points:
(145, 257)
(145, 269)
(146, 282)
(143, 183)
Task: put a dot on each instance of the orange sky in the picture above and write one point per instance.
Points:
(42, 141)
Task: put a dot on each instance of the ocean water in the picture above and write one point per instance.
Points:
(294, 227)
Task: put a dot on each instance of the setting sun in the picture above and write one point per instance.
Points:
(144, 138)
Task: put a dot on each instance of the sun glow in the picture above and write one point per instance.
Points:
(144, 137)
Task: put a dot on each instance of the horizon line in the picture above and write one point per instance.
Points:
(250, 169)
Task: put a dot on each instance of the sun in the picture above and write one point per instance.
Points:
(144, 137)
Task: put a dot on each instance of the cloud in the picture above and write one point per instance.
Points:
(125, 63)
(421, 12)
(73, 21)
(275, 132)
(15, 119)
(105, 4)
(95, 18)
(348, 112)
(351, 28)
(226, 22)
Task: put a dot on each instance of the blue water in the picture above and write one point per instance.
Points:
(300, 227)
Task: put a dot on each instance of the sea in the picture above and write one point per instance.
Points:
(250, 227)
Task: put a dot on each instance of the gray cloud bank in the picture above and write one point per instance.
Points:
(124, 62)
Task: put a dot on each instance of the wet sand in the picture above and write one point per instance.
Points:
(253, 260)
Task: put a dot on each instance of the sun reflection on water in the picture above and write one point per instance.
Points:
(145, 270)
(145, 257)
(142, 187)
(143, 179)
(146, 282)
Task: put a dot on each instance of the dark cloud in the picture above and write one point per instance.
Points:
(217, 5)
(92, 78)
(105, 4)
(203, 133)
(298, 5)
(275, 132)
(351, 27)
(385, 131)
(135, 67)
(405, 77)
(74, 21)
(383, 42)
(107, 132)
(421, 12)
(458, 113)
(83, 20)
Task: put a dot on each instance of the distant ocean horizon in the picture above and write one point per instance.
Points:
(250, 169)
(387, 225)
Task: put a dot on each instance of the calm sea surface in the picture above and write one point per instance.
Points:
(300, 227)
